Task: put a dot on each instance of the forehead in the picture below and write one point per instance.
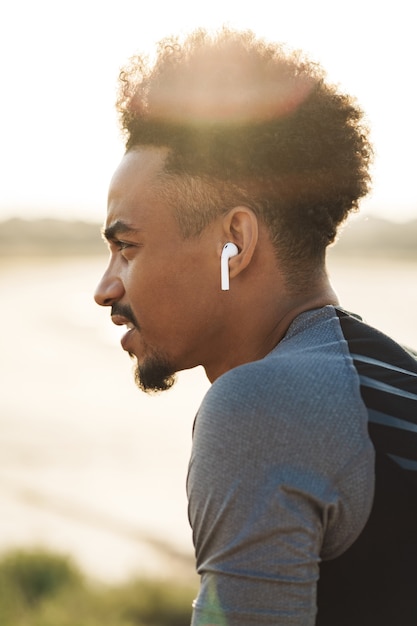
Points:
(133, 189)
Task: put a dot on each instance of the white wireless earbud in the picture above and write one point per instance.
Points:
(229, 250)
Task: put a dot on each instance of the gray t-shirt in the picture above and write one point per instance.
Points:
(281, 476)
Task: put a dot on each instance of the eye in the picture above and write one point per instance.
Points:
(126, 249)
(123, 245)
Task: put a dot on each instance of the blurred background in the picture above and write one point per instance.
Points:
(89, 466)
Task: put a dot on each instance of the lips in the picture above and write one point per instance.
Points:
(126, 340)
(120, 320)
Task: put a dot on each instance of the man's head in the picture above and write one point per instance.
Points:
(228, 139)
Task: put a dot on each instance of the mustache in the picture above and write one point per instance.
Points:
(125, 311)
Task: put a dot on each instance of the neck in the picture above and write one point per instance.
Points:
(255, 329)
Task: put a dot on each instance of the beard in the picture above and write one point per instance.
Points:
(155, 374)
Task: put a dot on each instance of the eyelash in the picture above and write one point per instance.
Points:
(122, 245)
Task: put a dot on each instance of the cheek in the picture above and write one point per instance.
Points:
(171, 289)
(155, 293)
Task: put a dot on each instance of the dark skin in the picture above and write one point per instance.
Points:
(170, 286)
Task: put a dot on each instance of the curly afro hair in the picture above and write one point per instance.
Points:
(246, 121)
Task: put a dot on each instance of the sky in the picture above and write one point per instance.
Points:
(59, 62)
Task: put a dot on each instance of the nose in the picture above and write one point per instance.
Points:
(109, 290)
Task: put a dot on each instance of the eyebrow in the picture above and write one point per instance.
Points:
(119, 227)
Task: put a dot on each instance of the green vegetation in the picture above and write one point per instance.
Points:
(38, 588)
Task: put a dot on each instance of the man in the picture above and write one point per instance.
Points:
(240, 164)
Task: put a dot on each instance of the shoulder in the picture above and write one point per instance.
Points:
(291, 430)
(300, 404)
(309, 374)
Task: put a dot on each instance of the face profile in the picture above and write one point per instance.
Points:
(158, 284)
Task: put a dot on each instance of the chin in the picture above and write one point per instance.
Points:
(154, 374)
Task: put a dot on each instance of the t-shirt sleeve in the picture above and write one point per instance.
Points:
(279, 478)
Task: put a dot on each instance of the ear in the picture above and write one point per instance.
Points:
(240, 226)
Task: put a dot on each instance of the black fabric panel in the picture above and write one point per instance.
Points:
(375, 581)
